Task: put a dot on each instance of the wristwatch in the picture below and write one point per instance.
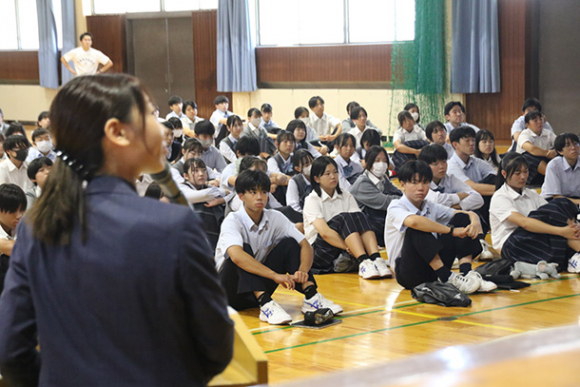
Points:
(451, 228)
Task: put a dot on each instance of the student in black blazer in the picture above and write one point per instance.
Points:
(118, 290)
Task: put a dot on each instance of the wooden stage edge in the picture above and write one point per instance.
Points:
(546, 357)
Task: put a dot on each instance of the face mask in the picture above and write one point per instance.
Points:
(415, 116)
(306, 170)
(306, 120)
(379, 169)
(44, 146)
(256, 121)
(21, 154)
(177, 132)
(206, 143)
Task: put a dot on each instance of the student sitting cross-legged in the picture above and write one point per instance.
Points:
(334, 224)
(563, 173)
(424, 238)
(299, 186)
(349, 167)
(298, 128)
(228, 145)
(485, 148)
(408, 140)
(437, 134)
(259, 249)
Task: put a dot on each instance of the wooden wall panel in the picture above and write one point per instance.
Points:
(205, 61)
(324, 64)
(497, 111)
(19, 66)
(109, 37)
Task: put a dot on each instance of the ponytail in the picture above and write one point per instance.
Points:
(511, 162)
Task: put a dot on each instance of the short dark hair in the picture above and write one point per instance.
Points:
(451, 105)
(253, 111)
(412, 168)
(204, 127)
(318, 168)
(372, 154)
(284, 135)
(433, 153)
(43, 115)
(355, 112)
(12, 198)
(248, 145)
(85, 34)
(299, 111)
(189, 103)
(15, 127)
(343, 138)
(2, 137)
(563, 138)
(168, 124)
(39, 132)
(350, 106)
(154, 191)
(532, 116)
(193, 162)
(431, 126)
(266, 108)
(248, 162)
(176, 122)
(220, 99)
(461, 132)
(252, 180)
(192, 144)
(532, 102)
(37, 164)
(233, 119)
(402, 116)
(14, 141)
(314, 100)
(300, 156)
(174, 100)
(371, 136)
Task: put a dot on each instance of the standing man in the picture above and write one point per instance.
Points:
(85, 58)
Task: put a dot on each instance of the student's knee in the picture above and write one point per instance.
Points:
(460, 220)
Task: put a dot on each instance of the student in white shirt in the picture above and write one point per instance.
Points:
(413, 108)
(327, 126)
(537, 147)
(281, 162)
(348, 124)
(359, 116)
(176, 105)
(334, 224)
(3, 125)
(13, 170)
(267, 122)
(38, 171)
(437, 134)
(485, 148)
(519, 124)
(219, 117)
(298, 128)
(302, 113)
(12, 207)
(192, 148)
(408, 140)
(86, 59)
(563, 173)
(190, 119)
(228, 145)
(369, 138)
(259, 249)
(42, 145)
(455, 116)
(348, 168)
(424, 238)
(299, 186)
(527, 228)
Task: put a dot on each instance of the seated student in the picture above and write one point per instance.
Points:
(369, 138)
(563, 173)
(258, 250)
(43, 120)
(254, 129)
(302, 113)
(475, 172)
(228, 144)
(334, 224)
(485, 148)
(455, 116)
(172, 147)
(219, 117)
(413, 108)
(348, 123)
(17, 129)
(424, 238)
(298, 128)
(519, 124)
(326, 126)
(2, 153)
(38, 171)
(374, 192)
(348, 168)
(524, 227)
(408, 140)
(192, 148)
(190, 119)
(13, 170)
(267, 122)
(204, 132)
(12, 207)
(437, 134)
(208, 201)
(176, 105)
(281, 162)
(537, 147)
(3, 125)
(154, 191)
(177, 129)
(254, 163)
(42, 145)
(299, 186)
(359, 116)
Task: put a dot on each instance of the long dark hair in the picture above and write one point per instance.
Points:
(318, 167)
(511, 162)
(292, 125)
(372, 154)
(78, 116)
(483, 135)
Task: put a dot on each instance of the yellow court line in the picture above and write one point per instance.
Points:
(414, 314)
(298, 294)
(489, 326)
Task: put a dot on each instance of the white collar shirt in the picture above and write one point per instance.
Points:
(475, 169)
(544, 140)
(9, 173)
(414, 135)
(445, 193)
(561, 179)
(323, 125)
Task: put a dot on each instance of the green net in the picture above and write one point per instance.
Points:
(419, 67)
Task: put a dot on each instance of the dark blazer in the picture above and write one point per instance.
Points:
(175, 151)
(138, 304)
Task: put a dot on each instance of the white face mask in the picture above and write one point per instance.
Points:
(44, 146)
(177, 132)
(379, 169)
(206, 143)
(306, 120)
(256, 121)
(415, 116)
(306, 170)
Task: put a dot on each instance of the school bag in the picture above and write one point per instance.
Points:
(440, 293)
(498, 272)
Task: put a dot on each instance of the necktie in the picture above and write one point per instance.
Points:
(347, 169)
(439, 189)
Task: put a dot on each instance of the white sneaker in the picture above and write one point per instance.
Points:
(485, 255)
(465, 284)
(318, 301)
(574, 264)
(485, 286)
(272, 313)
(367, 269)
(381, 266)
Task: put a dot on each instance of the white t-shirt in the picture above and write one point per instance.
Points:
(86, 62)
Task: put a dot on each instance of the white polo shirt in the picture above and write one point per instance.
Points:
(445, 193)
(561, 179)
(545, 140)
(357, 133)
(414, 135)
(504, 202)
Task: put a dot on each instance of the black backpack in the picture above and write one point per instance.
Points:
(499, 273)
(440, 293)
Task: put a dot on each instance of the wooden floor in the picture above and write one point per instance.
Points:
(382, 323)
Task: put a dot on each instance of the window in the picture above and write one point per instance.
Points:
(9, 35)
(307, 22)
(97, 7)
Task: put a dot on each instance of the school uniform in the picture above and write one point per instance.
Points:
(5, 259)
(323, 125)
(277, 164)
(309, 147)
(213, 159)
(267, 145)
(221, 130)
(450, 150)
(445, 193)
(172, 114)
(228, 148)
(342, 214)
(173, 151)
(415, 139)
(311, 134)
(274, 242)
(31, 195)
(357, 133)
(142, 183)
(189, 125)
(348, 124)
(561, 179)
(373, 196)
(299, 188)
(4, 127)
(348, 170)
(489, 160)
(177, 171)
(9, 173)
(519, 125)
(449, 127)
(269, 125)
(229, 170)
(141, 292)
(544, 140)
(34, 153)
(410, 251)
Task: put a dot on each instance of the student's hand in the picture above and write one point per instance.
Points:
(462, 195)
(264, 155)
(551, 154)
(323, 150)
(273, 187)
(285, 280)
(324, 137)
(417, 151)
(571, 231)
(214, 183)
(300, 277)
(459, 232)
(215, 202)
(473, 231)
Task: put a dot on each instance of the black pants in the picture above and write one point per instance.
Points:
(241, 285)
(399, 159)
(419, 249)
(483, 211)
(4, 262)
(290, 213)
(212, 218)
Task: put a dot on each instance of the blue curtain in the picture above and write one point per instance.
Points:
(69, 39)
(236, 60)
(48, 46)
(475, 54)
